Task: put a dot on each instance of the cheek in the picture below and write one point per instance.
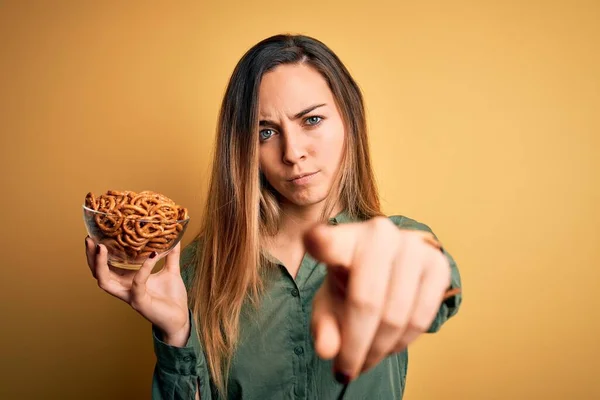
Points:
(332, 147)
(267, 160)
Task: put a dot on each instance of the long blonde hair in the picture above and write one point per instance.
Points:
(242, 208)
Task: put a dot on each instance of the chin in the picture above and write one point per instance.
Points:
(305, 198)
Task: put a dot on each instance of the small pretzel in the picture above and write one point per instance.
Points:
(90, 201)
(137, 209)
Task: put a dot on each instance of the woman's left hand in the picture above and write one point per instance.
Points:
(383, 288)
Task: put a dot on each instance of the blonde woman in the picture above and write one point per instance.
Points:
(296, 287)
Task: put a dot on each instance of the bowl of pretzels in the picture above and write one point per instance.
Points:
(133, 225)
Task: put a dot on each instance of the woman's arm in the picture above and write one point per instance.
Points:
(180, 372)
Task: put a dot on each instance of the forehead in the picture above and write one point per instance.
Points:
(291, 88)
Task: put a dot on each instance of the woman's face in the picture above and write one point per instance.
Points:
(301, 133)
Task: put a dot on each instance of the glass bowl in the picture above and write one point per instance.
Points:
(130, 239)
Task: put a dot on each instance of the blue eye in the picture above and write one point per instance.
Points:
(313, 120)
(266, 133)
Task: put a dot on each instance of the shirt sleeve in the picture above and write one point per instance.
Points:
(450, 306)
(180, 372)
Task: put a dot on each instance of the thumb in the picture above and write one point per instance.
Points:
(324, 326)
(172, 259)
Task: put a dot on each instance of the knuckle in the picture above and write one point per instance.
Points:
(135, 304)
(418, 324)
(136, 282)
(378, 221)
(102, 284)
(415, 241)
(382, 224)
(393, 322)
(364, 303)
(378, 350)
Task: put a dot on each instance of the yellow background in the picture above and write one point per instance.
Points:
(484, 122)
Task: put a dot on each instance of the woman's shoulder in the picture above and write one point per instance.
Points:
(401, 221)
(404, 222)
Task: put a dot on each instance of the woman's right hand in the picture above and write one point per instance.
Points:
(161, 298)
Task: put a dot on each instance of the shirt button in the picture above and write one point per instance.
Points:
(298, 350)
(295, 292)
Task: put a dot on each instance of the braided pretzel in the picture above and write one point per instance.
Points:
(136, 224)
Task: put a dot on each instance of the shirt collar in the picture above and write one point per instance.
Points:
(341, 218)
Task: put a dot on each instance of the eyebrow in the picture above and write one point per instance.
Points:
(266, 122)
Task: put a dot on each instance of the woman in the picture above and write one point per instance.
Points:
(297, 284)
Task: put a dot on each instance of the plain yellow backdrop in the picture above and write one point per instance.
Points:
(484, 121)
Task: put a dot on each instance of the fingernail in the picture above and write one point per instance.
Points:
(153, 254)
(97, 249)
(342, 378)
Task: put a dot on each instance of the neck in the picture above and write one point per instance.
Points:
(295, 220)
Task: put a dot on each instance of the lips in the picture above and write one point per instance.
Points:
(302, 179)
(300, 176)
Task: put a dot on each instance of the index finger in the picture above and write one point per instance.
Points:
(332, 245)
(367, 255)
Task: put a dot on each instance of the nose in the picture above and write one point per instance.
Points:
(294, 148)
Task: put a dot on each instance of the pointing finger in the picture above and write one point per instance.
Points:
(333, 245)
(324, 325)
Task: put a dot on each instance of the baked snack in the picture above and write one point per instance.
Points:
(133, 225)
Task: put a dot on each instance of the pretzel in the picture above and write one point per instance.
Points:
(136, 224)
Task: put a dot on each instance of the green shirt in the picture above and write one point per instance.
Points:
(275, 358)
